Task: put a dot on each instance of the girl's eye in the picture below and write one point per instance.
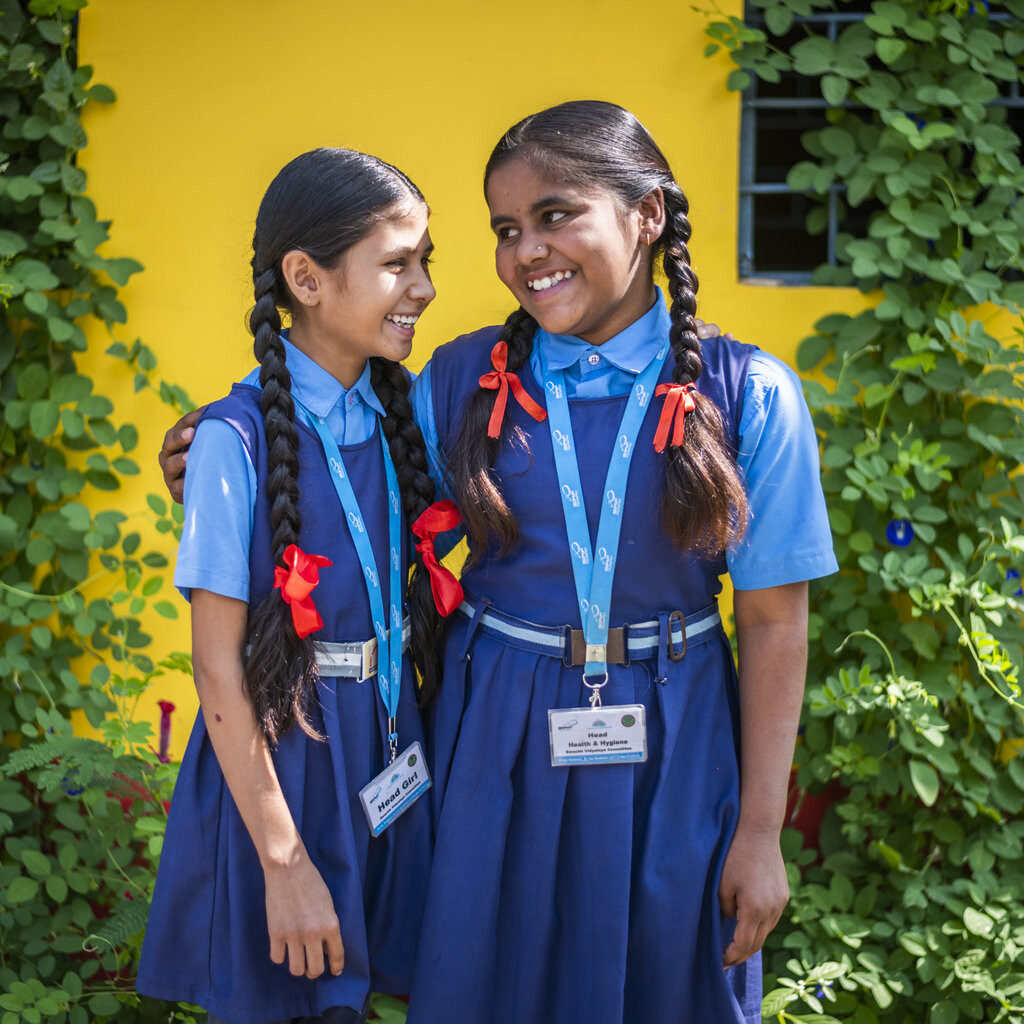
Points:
(506, 233)
(396, 264)
(553, 216)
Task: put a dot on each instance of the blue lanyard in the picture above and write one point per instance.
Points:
(389, 642)
(594, 576)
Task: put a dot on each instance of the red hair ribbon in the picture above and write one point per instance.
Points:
(679, 401)
(441, 516)
(296, 583)
(500, 380)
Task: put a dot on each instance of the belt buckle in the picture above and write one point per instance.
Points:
(672, 617)
(368, 661)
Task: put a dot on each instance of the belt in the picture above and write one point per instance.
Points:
(631, 642)
(355, 661)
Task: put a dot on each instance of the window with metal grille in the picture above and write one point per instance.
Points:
(774, 240)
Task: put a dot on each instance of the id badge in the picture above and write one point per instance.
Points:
(604, 735)
(396, 789)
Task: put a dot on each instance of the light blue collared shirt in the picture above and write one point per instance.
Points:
(220, 485)
(788, 539)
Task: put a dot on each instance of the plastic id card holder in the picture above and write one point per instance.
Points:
(602, 735)
(396, 789)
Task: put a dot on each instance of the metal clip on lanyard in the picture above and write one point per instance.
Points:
(592, 575)
(389, 640)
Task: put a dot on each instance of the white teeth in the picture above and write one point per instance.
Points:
(404, 321)
(545, 283)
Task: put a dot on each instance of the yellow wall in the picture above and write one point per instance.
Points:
(215, 96)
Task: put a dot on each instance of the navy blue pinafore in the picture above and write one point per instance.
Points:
(587, 893)
(206, 940)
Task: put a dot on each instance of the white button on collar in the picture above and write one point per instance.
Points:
(593, 359)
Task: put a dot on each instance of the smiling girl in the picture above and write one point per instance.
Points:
(608, 793)
(282, 894)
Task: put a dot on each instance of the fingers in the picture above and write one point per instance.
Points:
(706, 331)
(752, 929)
(335, 952)
(174, 475)
(314, 957)
(172, 455)
(306, 954)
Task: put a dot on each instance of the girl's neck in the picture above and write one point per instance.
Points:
(346, 368)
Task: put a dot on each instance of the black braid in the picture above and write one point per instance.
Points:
(409, 454)
(601, 146)
(704, 505)
(321, 204)
(485, 513)
(280, 669)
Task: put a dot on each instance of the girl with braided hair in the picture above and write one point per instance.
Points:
(291, 880)
(609, 795)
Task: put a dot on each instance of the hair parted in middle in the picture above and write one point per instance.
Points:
(598, 145)
(322, 203)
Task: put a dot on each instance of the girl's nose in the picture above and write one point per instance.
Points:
(531, 248)
(422, 289)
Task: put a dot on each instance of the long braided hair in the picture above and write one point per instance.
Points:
(322, 203)
(599, 145)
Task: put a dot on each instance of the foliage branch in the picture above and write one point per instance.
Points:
(81, 819)
(911, 890)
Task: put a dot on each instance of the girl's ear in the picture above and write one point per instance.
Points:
(651, 212)
(302, 275)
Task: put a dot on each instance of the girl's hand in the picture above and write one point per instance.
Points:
(706, 331)
(174, 452)
(301, 919)
(754, 889)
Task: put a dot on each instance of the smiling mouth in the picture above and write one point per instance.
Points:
(542, 284)
(402, 320)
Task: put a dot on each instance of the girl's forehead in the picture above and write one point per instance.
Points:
(404, 219)
(520, 181)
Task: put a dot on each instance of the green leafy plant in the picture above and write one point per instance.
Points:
(913, 715)
(81, 819)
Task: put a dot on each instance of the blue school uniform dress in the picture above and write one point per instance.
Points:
(591, 892)
(206, 941)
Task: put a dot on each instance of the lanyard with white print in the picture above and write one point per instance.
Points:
(389, 640)
(601, 735)
(593, 576)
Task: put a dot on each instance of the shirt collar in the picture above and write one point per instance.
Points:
(630, 350)
(318, 390)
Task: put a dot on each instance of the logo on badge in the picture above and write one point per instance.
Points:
(373, 796)
(628, 721)
(394, 778)
(412, 760)
(599, 723)
(568, 725)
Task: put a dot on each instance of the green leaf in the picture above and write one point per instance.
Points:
(978, 923)
(925, 780)
(21, 890)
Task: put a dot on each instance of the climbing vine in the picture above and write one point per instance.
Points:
(909, 895)
(81, 819)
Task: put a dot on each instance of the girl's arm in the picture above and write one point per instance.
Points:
(771, 628)
(300, 911)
